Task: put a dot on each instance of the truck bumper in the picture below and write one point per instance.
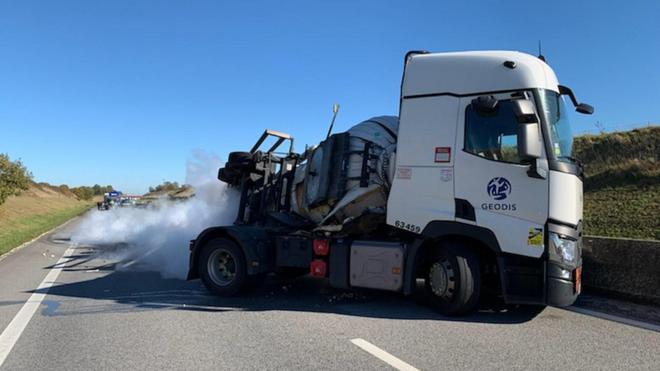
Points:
(560, 292)
(537, 281)
(563, 285)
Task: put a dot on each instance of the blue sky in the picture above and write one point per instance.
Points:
(123, 92)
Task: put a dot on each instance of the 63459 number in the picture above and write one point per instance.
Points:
(407, 226)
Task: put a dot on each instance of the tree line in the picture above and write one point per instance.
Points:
(166, 187)
(85, 192)
(14, 178)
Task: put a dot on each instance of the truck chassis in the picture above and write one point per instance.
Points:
(457, 262)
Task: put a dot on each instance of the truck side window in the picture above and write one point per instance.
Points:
(492, 136)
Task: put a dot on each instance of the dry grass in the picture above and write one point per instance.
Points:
(180, 193)
(35, 211)
(620, 159)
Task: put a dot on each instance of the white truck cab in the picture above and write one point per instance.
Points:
(464, 117)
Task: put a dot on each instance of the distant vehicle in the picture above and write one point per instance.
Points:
(110, 200)
(127, 202)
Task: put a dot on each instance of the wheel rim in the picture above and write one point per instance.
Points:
(442, 280)
(221, 267)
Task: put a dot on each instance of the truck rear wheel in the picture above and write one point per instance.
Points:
(222, 267)
(453, 280)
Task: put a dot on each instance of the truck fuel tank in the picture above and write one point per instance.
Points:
(377, 265)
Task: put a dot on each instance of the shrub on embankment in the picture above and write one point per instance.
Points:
(14, 177)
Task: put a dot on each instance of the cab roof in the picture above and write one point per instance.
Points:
(475, 72)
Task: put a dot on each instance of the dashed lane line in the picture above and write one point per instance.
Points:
(383, 355)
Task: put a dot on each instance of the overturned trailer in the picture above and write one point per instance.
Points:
(346, 176)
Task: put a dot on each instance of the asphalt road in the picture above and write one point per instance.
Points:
(95, 316)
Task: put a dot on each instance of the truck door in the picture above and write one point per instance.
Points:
(423, 186)
(492, 178)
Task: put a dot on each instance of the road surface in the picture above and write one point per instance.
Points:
(85, 313)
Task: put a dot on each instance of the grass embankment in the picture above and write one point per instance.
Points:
(622, 185)
(34, 212)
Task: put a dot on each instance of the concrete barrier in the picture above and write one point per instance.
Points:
(628, 269)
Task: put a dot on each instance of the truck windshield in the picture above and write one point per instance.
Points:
(554, 111)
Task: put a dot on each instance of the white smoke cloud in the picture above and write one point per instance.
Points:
(157, 238)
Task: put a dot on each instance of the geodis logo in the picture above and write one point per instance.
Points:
(499, 188)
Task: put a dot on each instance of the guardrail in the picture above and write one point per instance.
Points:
(624, 268)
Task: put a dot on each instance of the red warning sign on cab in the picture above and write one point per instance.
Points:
(442, 154)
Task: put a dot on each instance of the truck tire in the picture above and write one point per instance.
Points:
(222, 267)
(229, 175)
(452, 280)
(239, 157)
(239, 163)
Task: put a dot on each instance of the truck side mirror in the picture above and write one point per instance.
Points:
(579, 107)
(529, 139)
(584, 108)
(529, 142)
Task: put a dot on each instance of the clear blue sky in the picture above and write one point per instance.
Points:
(122, 92)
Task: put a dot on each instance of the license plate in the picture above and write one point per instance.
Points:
(578, 280)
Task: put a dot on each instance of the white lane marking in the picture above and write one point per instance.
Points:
(383, 355)
(611, 317)
(10, 335)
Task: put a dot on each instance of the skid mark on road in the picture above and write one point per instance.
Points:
(383, 355)
(10, 335)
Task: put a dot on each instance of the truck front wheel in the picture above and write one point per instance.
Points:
(453, 280)
(222, 267)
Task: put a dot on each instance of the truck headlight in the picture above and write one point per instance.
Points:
(563, 250)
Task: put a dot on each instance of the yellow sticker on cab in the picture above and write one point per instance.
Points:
(535, 236)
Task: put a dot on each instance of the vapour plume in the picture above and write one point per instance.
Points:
(156, 238)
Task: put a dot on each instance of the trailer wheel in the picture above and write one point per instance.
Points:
(453, 280)
(222, 267)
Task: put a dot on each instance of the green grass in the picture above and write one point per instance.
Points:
(622, 185)
(628, 212)
(16, 232)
